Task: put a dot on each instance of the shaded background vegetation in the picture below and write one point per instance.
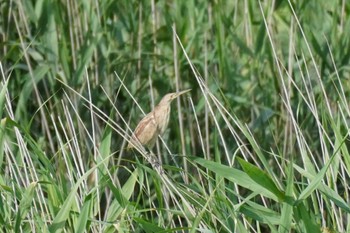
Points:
(77, 42)
(227, 41)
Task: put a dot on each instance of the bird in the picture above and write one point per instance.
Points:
(154, 123)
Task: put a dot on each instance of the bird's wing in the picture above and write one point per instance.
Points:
(147, 130)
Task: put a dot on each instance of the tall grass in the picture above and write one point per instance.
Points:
(259, 145)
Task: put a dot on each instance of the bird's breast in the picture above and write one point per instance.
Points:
(162, 119)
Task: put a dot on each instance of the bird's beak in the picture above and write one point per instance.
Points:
(182, 92)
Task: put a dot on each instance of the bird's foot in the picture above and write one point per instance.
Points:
(156, 164)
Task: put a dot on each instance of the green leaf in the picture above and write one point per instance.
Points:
(236, 176)
(331, 194)
(148, 227)
(306, 219)
(2, 120)
(316, 181)
(27, 199)
(260, 213)
(335, 197)
(287, 207)
(25, 204)
(261, 178)
(84, 214)
(58, 222)
(105, 148)
(2, 97)
(120, 204)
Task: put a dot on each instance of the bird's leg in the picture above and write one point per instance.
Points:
(154, 161)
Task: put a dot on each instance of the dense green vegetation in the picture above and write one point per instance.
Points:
(259, 145)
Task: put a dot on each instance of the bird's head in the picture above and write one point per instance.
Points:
(171, 96)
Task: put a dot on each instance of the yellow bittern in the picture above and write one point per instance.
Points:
(154, 123)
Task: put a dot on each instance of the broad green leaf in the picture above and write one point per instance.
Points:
(84, 214)
(260, 177)
(316, 181)
(2, 97)
(236, 176)
(27, 199)
(147, 226)
(120, 205)
(287, 207)
(260, 213)
(305, 219)
(25, 205)
(105, 148)
(2, 120)
(331, 194)
(58, 222)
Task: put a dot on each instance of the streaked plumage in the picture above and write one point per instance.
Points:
(154, 123)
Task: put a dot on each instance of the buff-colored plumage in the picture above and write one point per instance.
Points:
(154, 123)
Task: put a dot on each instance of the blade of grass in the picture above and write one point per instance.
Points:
(236, 176)
(261, 178)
